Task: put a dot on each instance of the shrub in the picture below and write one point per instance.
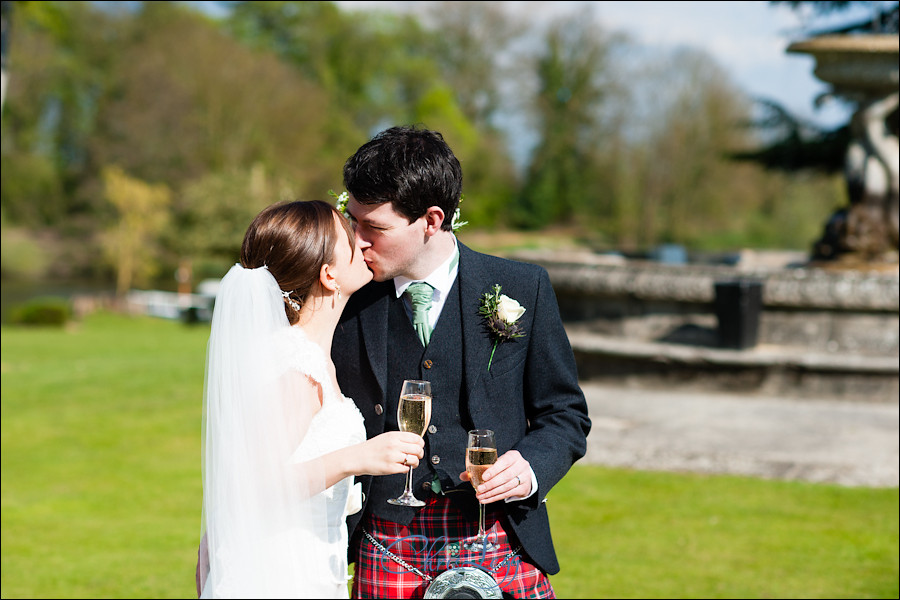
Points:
(23, 257)
(42, 311)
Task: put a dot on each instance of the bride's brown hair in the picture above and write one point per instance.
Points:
(293, 240)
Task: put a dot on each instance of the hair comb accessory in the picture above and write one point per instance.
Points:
(291, 301)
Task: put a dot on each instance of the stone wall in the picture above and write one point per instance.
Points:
(829, 311)
(820, 333)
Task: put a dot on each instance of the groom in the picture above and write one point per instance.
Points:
(405, 186)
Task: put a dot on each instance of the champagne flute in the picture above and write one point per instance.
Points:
(481, 453)
(413, 414)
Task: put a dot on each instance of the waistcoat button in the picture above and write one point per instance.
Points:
(432, 429)
(435, 459)
(426, 485)
(427, 364)
(378, 409)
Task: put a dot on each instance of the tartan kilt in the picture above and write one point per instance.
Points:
(433, 543)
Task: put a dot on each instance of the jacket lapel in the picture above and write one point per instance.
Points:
(476, 343)
(374, 321)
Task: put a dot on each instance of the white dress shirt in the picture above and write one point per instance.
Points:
(441, 279)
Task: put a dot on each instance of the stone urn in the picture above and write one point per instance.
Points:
(863, 69)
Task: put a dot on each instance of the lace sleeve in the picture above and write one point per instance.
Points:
(300, 354)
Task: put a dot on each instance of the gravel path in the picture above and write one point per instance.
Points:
(848, 443)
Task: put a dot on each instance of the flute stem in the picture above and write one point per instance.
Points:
(408, 482)
(481, 532)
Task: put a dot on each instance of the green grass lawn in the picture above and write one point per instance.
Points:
(101, 492)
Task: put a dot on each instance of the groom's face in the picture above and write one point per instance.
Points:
(390, 244)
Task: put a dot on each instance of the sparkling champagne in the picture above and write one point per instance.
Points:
(414, 413)
(477, 462)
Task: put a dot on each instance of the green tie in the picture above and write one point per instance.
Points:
(420, 295)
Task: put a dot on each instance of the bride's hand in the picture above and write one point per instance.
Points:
(391, 452)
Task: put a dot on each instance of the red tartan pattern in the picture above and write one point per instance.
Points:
(428, 544)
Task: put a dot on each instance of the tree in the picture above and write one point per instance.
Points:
(142, 214)
(474, 46)
(189, 100)
(6, 10)
(202, 112)
(371, 64)
(574, 81)
(49, 112)
(685, 168)
(385, 69)
(212, 214)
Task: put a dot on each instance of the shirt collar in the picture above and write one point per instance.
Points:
(441, 279)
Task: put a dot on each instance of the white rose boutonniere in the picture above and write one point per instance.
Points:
(508, 309)
(500, 313)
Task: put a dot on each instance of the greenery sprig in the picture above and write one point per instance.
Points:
(340, 202)
(457, 223)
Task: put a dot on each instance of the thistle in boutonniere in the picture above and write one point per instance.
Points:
(500, 313)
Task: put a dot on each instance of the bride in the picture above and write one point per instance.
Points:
(281, 444)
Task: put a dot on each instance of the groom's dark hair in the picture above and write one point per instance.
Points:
(411, 167)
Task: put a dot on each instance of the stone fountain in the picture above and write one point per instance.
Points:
(808, 332)
(826, 326)
(863, 69)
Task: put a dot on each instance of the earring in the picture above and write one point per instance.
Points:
(338, 288)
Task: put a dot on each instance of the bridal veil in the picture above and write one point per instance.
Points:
(262, 513)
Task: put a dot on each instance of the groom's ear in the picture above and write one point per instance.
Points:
(434, 218)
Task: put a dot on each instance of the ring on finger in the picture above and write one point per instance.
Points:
(518, 481)
(406, 460)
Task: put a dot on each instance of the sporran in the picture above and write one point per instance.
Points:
(457, 582)
(464, 582)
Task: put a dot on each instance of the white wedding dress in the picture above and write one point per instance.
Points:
(338, 424)
(275, 541)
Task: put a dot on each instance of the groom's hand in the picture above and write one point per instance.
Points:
(509, 477)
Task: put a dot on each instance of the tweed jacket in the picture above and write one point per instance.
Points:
(530, 396)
